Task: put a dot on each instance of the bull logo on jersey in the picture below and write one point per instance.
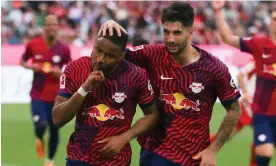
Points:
(103, 113)
(196, 87)
(56, 58)
(119, 97)
(271, 69)
(178, 101)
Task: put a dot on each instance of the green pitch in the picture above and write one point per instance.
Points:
(18, 141)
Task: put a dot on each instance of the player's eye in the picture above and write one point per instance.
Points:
(99, 50)
(166, 32)
(177, 33)
(109, 55)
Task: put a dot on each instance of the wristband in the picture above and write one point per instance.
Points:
(82, 92)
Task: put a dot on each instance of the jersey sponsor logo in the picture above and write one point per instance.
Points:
(150, 87)
(136, 48)
(56, 58)
(62, 81)
(165, 78)
(179, 101)
(196, 87)
(103, 113)
(119, 97)
(270, 69)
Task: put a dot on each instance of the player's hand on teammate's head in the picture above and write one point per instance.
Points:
(218, 5)
(113, 145)
(110, 25)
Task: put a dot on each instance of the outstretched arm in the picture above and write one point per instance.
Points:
(223, 28)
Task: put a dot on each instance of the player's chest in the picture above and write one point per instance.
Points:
(112, 93)
(44, 54)
(177, 85)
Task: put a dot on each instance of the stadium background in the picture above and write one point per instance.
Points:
(80, 21)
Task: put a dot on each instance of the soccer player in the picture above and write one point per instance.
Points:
(187, 81)
(263, 50)
(102, 91)
(48, 56)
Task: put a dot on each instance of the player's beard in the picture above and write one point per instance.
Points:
(178, 51)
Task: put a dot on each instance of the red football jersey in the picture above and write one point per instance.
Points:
(264, 53)
(107, 111)
(185, 97)
(45, 85)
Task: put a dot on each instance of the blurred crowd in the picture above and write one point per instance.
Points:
(80, 21)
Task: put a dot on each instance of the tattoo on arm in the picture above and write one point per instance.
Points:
(228, 125)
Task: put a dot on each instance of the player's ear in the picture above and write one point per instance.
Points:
(190, 32)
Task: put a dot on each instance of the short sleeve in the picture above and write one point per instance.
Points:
(248, 44)
(138, 55)
(28, 52)
(67, 87)
(225, 86)
(145, 92)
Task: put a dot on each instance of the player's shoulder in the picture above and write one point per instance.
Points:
(148, 47)
(210, 62)
(35, 41)
(256, 38)
(81, 63)
(133, 69)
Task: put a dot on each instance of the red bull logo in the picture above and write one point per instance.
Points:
(271, 69)
(102, 112)
(178, 101)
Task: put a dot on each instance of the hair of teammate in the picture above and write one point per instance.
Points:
(120, 41)
(179, 11)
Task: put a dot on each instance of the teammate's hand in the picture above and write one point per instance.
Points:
(93, 80)
(35, 67)
(207, 156)
(114, 145)
(110, 25)
(218, 5)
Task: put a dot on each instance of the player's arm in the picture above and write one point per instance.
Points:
(227, 126)
(144, 124)
(223, 28)
(69, 101)
(228, 94)
(26, 56)
(138, 55)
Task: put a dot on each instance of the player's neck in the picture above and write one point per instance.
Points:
(50, 42)
(187, 56)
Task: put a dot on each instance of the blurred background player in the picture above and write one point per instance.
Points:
(102, 91)
(246, 81)
(186, 87)
(263, 50)
(47, 56)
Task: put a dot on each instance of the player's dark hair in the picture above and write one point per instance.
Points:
(120, 41)
(179, 11)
